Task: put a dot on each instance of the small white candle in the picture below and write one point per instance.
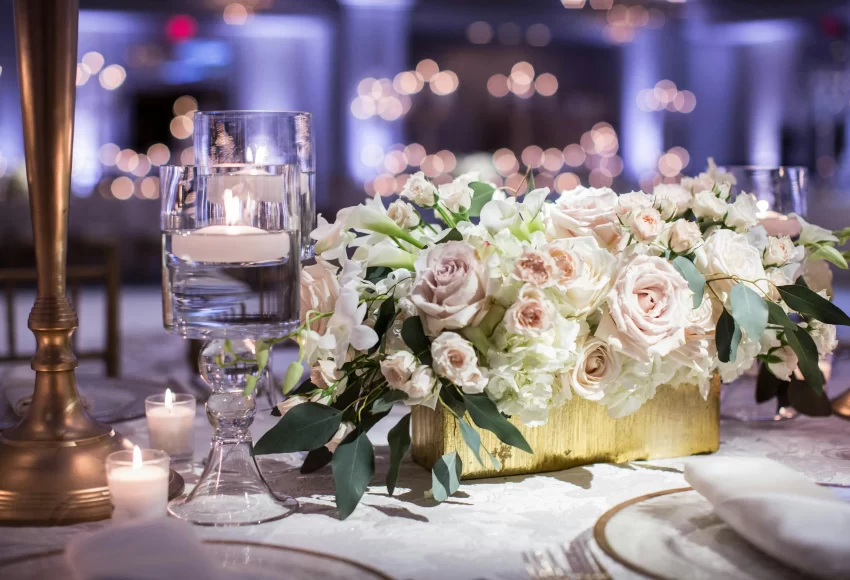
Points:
(138, 484)
(170, 423)
(231, 245)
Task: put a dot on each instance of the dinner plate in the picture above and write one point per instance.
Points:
(675, 534)
(245, 560)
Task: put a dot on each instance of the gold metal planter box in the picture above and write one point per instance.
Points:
(677, 422)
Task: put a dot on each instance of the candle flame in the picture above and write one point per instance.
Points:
(137, 457)
(231, 208)
(169, 399)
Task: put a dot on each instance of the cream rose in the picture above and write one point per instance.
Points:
(419, 190)
(450, 287)
(787, 363)
(319, 292)
(646, 224)
(741, 215)
(824, 336)
(709, 206)
(679, 195)
(596, 367)
(290, 403)
(726, 253)
(779, 251)
(530, 315)
(585, 273)
(584, 212)
(324, 373)
(629, 202)
(421, 385)
(536, 267)
(455, 359)
(397, 368)
(403, 214)
(456, 196)
(684, 236)
(647, 309)
(345, 429)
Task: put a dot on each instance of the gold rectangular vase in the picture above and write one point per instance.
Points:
(677, 422)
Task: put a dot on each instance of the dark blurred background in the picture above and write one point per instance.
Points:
(625, 93)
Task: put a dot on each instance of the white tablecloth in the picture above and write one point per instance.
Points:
(482, 531)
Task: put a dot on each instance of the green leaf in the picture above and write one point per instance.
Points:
(262, 355)
(414, 337)
(495, 462)
(386, 315)
(386, 401)
(353, 466)
(485, 414)
(250, 384)
(304, 388)
(767, 385)
(807, 354)
(450, 395)
(801, 282)
(810, 303)
(375, 274)
(749, 310)
(776, 315)
(842, 235)
(305, 427)
(696, 281)
(472, 438)
(808, 401)
(825, 251)
(445, 476)
(452, 236)
(769, 358)
(530, 186)
(316, 460)
(293, 375)
(399, 440)
(482, 193)
(727, 337)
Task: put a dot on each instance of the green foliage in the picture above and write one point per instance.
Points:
(375, 274)
(808, 401)
(452, 236)
(445, 476)
(316, 459)
(450, 395)
(399, 440)
(482, 193)
(696, 281)
(293, 375)
(305, 427)
(749, 310)
(485, 414)
(801, 343)
(386, 400)
(471, 437)
(727, 336)
(826, 251)
(810, 303)
(414, 337)
(353, 466)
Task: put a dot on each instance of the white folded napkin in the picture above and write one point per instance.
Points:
(778, 510)
(149, 550)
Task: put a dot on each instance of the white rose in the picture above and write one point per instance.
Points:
(709, 206)
(403, 214)
(676, 193)
(531, 315)
(500, 215)
(421, 386)
(757, 236)
(779, 251)
(584, 212)
(456, 196)
(741, 215)
(787, 365)
(646, 224)
(324, 373)
(696, 184)
(684, 236)
(726, 253)
(345, 429)
(397, 368)
(319, 291)
(455, 359)
(648, 309)
(290, 403)
(824, 336)
(536, 267)
(450, 290)
(596, 367)
(812, 234)
(818, 276)
(585, 273)
(419, 190)
(630, 202)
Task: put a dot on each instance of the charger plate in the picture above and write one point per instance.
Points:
(243, 560)
(675, 534)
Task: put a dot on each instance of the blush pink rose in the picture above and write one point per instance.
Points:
(585, 212)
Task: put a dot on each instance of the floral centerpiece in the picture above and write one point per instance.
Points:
(514, 304)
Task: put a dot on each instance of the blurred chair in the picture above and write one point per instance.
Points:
(96, 262)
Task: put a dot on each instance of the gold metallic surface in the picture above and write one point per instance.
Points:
(677, 422)
(52, 463)
(841, 405)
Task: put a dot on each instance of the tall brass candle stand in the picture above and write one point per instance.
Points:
(52, 462)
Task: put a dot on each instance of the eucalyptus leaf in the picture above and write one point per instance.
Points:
(695, 279)
(809, 303)
(305, 427)
(304, 388)
(767, 385)
(800, 281)
(399, 440)
(807, 400)
(451, 236)
(727, 337)
(414, 337)
(386, 315)
(386, 401)
(825, 251)
(450, 395)
(493, 461)
(530, 186)
(472, 438)
(316, 459)
(353, 466)
(485, 414)
(807, 354)
(482, 193)
(445, 476)
(375, 274)
(749, 310)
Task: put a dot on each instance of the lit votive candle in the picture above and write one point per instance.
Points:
(138, 484)
(171, 423)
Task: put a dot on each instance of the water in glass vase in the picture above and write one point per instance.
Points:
(231, 282)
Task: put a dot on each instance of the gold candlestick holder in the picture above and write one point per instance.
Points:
(52, 467)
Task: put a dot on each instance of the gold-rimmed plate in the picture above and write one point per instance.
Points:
(243, 560)
(674, 534)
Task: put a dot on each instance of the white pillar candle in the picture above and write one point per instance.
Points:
(171, 424)
(138, 484)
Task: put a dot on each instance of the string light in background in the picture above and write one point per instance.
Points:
(522, 82)
(236, 14)
(479, 33)
(112, 77)
(666, 96)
